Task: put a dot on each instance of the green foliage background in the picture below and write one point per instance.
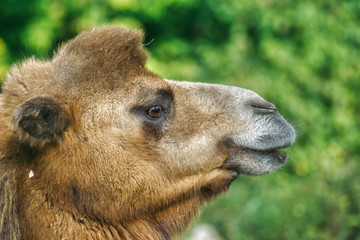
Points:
(302, 55)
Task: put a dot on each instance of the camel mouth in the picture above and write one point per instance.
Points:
(266, 151)
(277, 151)
(255, 162)
(276, 154)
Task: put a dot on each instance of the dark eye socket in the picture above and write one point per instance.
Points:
(155, 111)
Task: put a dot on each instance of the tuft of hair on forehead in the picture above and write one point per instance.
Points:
(108, 50)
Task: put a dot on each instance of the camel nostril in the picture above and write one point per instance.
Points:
(263, 107)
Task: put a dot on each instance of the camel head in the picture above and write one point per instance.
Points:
(100, 147)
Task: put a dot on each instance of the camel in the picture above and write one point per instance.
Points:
(95, 146)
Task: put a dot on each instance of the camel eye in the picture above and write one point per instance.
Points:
(155, 111)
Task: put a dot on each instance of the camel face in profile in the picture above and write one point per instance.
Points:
(94, 146)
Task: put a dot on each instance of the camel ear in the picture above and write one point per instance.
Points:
(42, 120)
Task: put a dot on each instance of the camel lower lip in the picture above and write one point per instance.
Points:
(281, 155)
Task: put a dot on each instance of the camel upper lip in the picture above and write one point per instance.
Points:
(281, 155)
(270, 149)
(275, 148)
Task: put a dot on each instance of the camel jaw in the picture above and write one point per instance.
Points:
(255, 161)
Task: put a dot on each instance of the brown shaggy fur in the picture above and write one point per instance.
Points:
(9, 223)
(81, 158)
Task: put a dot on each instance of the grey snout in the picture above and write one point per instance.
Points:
(265, 127)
